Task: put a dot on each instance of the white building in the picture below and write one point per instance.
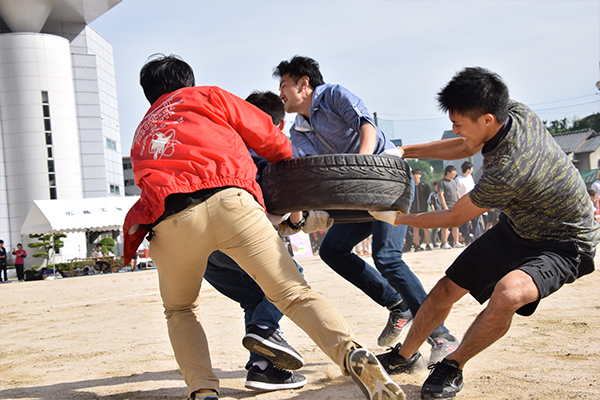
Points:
(59, 125)
(131, 188)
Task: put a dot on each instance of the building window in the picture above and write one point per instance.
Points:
(129, 182)
(114, 189)
(127, 165)
(111, 144)
(48, 137)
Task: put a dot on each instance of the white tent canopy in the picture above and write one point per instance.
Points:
(77, 215)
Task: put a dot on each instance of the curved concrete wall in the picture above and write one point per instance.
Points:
(31, 63)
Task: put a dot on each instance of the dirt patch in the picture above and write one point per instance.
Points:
(104, 337)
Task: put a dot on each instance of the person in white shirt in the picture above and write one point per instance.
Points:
(466, 183)
(596, 184)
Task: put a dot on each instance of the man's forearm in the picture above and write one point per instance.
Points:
(443, 201)
(448, 149)
(432, 219)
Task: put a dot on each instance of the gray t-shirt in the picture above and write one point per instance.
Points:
(530, 178)
(449, 187)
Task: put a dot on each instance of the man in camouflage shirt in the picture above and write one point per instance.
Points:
(546, 236)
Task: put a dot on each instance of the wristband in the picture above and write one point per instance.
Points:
(300, 224)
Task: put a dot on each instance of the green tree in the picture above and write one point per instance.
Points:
(429, 173)
(47, 243)
(108, 245)
(589, 122)
(558, 126)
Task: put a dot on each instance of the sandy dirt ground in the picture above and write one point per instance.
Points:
(104, 337)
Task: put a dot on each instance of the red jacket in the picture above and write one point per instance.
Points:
(196, 138)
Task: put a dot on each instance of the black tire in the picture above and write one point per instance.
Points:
(345, 185)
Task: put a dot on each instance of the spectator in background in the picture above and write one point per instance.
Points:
(436, 204)
(448, 192)
(419, 205)
(491, 218)
(596, 184)
(465, 184)
(3, 261)
(595, 197)
(364, 247)
(101, 265)
(20, 254)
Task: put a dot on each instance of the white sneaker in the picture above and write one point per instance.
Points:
(458, 245)
(446, 246)
(370, 376)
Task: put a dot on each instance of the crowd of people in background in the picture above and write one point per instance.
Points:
(443, 194)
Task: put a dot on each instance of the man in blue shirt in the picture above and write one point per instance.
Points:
(331, 120)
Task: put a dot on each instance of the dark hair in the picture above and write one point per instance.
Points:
(466, 166)
(449, 168)
(270, 103)
(473, 92)
(164, 74)
(417, 172)
(435, 183)
(1, 241)
(298, 67)
(591, 192)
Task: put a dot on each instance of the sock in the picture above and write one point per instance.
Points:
(399, 306)
(262, 364)
(205, 396)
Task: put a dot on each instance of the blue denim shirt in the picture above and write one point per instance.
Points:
(336, 116)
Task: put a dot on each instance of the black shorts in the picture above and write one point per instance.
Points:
(500, 250)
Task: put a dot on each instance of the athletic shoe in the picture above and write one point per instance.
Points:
(458, 245)
(394, 363)
(204, 396)
(428, 248)
(441, 347)
(444, 381)
(370, 376)
(273, 378)
(271, 344)
(397, 321)
(446, 246)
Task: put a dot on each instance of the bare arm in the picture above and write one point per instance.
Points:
(448, 149)
(368, 139)
(442, 200)
(464, 210)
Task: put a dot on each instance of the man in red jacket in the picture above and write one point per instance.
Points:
(199, 194)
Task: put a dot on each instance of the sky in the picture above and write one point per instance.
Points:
(395, 55)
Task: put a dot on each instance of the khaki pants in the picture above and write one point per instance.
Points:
(233, 222)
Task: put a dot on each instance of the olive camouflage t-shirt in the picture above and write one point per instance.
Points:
(530, 178)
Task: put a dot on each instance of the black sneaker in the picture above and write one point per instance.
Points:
(370, 376)
(271, 344)
(394, 363)
(444, 381)
(397, 322)
(441, 347)
(273, 378)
